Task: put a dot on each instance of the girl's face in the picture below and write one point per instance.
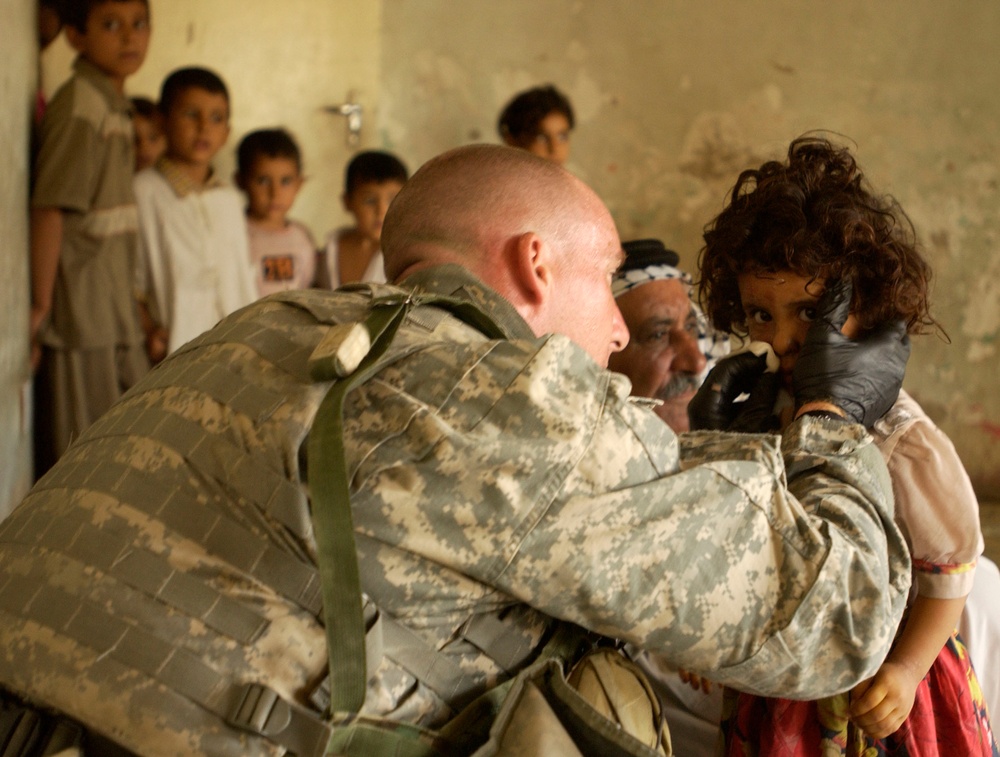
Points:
(779, 308)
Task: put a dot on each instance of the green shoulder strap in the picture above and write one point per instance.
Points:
(349, 353)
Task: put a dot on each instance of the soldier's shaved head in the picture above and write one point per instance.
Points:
(465, 204)
(527, 228)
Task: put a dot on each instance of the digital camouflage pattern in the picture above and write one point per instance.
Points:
(169, 554)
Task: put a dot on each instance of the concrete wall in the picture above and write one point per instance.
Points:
(673, 98)
(18, 75)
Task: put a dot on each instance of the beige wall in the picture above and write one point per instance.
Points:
(17, 88)
(673, 98)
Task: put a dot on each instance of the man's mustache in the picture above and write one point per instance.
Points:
(680, 383)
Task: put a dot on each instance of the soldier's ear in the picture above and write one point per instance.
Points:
(531, 268)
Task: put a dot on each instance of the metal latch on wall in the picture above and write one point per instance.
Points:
(352, 111)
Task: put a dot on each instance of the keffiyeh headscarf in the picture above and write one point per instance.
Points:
(648, 260)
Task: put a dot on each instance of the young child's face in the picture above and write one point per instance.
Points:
(271, 186)
(150, 141)
(779, 309)
(197, 126)
(116, 38)
(552, 140)
(368, 203)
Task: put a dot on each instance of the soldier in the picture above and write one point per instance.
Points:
(160, 585)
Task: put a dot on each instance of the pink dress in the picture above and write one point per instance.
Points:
(938, 514)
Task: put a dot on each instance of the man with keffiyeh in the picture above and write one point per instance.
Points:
(672, 346)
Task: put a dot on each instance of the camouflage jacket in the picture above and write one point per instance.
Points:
(170, 552)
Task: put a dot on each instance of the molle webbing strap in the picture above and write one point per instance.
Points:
(386, 638)
(71, 533)
(237, 475)
(220, 535)
(330, 495)
(218, 381)
(119, 645)
(273, 345)
(499, 641)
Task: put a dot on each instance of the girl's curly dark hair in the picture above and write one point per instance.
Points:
(816, 216)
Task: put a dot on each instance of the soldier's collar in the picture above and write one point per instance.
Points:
(455, 281)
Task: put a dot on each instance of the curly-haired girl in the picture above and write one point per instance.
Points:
(788, 229)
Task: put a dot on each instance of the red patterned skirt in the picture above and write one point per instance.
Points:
(948, 719)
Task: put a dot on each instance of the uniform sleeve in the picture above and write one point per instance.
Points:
(68, 162)
(769, 563)
(763, 563)
(938, 511)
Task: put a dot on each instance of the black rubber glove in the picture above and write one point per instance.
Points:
(861, 377)
(714, 406)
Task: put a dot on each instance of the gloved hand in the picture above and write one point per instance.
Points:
(714, 406)
(861, 377)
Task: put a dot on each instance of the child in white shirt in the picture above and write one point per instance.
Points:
(194, 267)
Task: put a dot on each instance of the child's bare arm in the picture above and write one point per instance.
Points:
(46, 242)
(882, 703)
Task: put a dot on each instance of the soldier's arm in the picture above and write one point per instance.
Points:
(773, 566)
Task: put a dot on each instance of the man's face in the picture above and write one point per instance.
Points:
(662, 358)
(583, 307)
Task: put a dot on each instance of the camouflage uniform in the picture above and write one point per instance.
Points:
(496, 484)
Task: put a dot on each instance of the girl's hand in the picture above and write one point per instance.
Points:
(881, 704)
(696, 682)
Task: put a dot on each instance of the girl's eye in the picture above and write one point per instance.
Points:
(759, 316)
(807, 314)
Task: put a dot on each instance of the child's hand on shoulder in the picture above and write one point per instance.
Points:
(881, 704)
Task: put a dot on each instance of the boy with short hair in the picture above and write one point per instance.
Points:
(85, 333)
(269, 171)
(373, 178)
(194, 266)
